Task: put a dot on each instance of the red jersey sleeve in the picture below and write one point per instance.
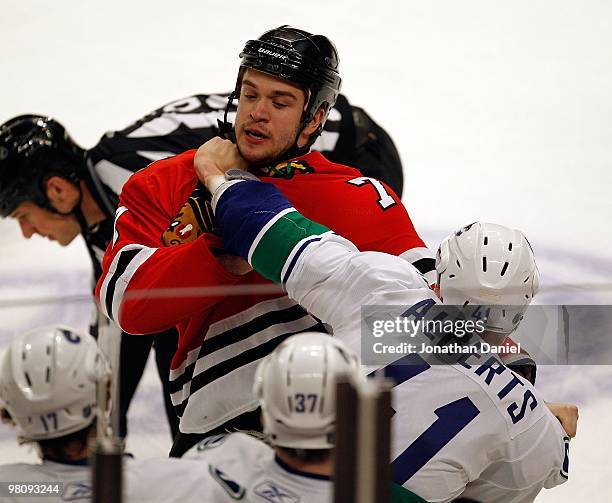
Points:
(145, 286)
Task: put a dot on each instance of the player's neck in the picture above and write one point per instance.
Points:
(323, 467)
(70, 453)
(91, 211)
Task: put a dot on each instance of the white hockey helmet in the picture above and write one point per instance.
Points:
(296, 386)
(488, 265)
(48, 381)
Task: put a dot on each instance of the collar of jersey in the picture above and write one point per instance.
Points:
(79, 462)
(71, 462)
(294, 471)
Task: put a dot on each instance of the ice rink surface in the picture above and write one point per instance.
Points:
(501, 111)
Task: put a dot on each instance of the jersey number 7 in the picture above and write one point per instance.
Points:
(385, 201)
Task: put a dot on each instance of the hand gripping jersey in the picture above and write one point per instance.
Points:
(472, 428)
(163, 243)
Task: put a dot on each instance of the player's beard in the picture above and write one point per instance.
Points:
(272, 154)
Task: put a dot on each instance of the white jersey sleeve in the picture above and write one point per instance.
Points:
(332, 279)
(470, 428)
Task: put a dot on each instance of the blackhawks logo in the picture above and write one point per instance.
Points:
(194, 218)
(288, 169)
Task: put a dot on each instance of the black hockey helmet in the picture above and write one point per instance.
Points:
(310, 61)
(32, 148)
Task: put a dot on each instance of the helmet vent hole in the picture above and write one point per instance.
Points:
(28, 379)
(484, 264)
(509, 246)
(48, 374)
(486, 240)
(527, 296)
(466, 303)
(503, 271)
(48, 350)
(526, 279)
(23, 355)
(451, 275)
(458, 264)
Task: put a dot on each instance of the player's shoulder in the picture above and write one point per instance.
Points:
(13, 471)
(323, 166)
(233, 462)
(348, 177)
(165, 173)
(231, 446)
(166, 479)
(47, 471)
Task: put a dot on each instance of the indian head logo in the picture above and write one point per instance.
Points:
(194, 218)
(288, 169)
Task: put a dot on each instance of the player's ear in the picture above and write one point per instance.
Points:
(436, 290)
(62, 194)
(312, 126)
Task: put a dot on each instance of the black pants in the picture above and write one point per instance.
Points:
(248, 421)
(133, 357)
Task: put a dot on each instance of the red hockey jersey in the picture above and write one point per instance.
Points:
(148, 285)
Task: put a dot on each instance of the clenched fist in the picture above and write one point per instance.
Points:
(215, 157)
(567, 414)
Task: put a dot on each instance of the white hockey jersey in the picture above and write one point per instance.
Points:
(241, 467)
(453, 430)
(474, 429)
(155, 480)
(73, 482)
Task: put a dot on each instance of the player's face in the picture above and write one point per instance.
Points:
(268, 117)
(36, 220)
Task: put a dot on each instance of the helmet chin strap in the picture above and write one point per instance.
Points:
(77, 212)
(226, 128)
(294, 150)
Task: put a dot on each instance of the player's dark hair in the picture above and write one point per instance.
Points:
(307, 455)
(58, 448)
